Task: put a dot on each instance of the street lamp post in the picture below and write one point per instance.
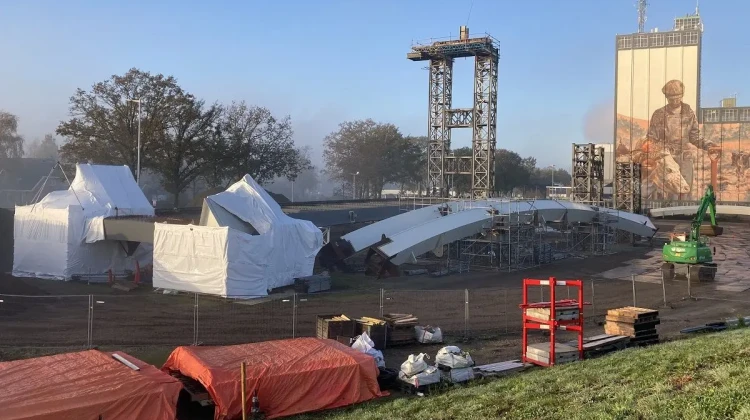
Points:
(553, 176)
(354, 186)
(138, 164)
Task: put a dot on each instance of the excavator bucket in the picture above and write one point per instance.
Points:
(711, 230)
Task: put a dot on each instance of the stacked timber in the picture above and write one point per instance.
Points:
(541, 353)
(334, 326)
(564, 311)
(637, 323)
(401, 328)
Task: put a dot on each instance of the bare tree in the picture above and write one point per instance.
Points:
(11, 143)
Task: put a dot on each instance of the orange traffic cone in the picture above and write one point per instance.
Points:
(137, 277)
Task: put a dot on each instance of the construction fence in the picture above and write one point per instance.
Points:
(156, 319)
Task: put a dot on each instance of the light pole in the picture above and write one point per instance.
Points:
(553, 176)
(138, 164)
(354, 186)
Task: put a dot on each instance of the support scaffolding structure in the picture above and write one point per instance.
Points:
(628, 187)
(588, 174)
(481, 118)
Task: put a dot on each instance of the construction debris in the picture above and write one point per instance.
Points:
(312, 284)
(375, 328)
(401, 328)
(637, 323)
(428, 335)
(334, 326)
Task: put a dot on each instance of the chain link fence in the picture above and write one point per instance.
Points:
(142, 320)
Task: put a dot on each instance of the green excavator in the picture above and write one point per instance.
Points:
(689, 255)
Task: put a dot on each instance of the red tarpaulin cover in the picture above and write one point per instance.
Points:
(290, 376)
(85, 385)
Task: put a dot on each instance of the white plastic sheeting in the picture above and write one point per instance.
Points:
(263, 248)
(728, 210)
(63, 235)
(411, 236)
(212, 260)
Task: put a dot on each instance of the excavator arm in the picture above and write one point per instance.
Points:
(708, 204)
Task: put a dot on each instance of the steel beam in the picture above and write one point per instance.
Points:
(485, 126)
(441, 85)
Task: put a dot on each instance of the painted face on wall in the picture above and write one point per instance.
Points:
(674, 101)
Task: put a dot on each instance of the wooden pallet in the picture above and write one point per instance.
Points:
(601, 344)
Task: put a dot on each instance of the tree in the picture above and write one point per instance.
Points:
(373, 150)
(11, 143)
(181, 154)
(104, 124)
(250, 140)
(511, 170)
(461, 183)
(46, 149)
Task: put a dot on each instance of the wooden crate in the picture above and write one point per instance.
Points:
(327, 328)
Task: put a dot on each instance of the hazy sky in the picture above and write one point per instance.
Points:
(326, 61)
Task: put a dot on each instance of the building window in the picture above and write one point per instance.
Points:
(657, 40)
(641, 41)
(625, 42)
(711, 115)
(673, 39)
(691, 38)
(745, 115)
(730, 115)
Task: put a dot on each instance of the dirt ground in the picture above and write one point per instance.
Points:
(42, 316)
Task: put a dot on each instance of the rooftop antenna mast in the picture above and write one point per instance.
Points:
(642, 5)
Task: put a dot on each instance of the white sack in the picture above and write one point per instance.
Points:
(429, 376)
(428, 335)
(414, 364)
(364, 344)
(453, 357)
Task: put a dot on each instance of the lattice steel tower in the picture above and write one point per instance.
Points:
(482, 118)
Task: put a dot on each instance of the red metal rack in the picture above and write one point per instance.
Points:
(552, 323)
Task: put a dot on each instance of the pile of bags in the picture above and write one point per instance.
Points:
(451, 365)
(456, 365)
(417, 372)
(365, 344)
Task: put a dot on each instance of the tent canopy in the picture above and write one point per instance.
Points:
(256, 247)
(101, 190)
(290, 376)
(85, 385)
(63, 234)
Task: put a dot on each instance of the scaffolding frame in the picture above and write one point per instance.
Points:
(588, 174)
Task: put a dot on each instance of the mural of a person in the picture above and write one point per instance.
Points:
(665, 149)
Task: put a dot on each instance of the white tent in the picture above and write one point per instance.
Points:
(63, 235)
(245, 246)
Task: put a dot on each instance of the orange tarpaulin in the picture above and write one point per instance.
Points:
(85, 385)
(290, 376)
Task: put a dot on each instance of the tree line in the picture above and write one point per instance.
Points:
(185, 140)
(368, 155)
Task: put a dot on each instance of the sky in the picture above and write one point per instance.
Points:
(326, 61)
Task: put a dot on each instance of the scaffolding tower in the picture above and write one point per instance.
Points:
(481, 118)
(628, 186)
(588, 174)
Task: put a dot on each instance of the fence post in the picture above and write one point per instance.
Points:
(632, 278)
(690, 294)
(505, 308)
(195, 320)
(466, 313)
(663, 289)
(382, 297)
(593, 302)
(90, 323)
(294, 315)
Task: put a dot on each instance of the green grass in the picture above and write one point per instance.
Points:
(707, 377)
